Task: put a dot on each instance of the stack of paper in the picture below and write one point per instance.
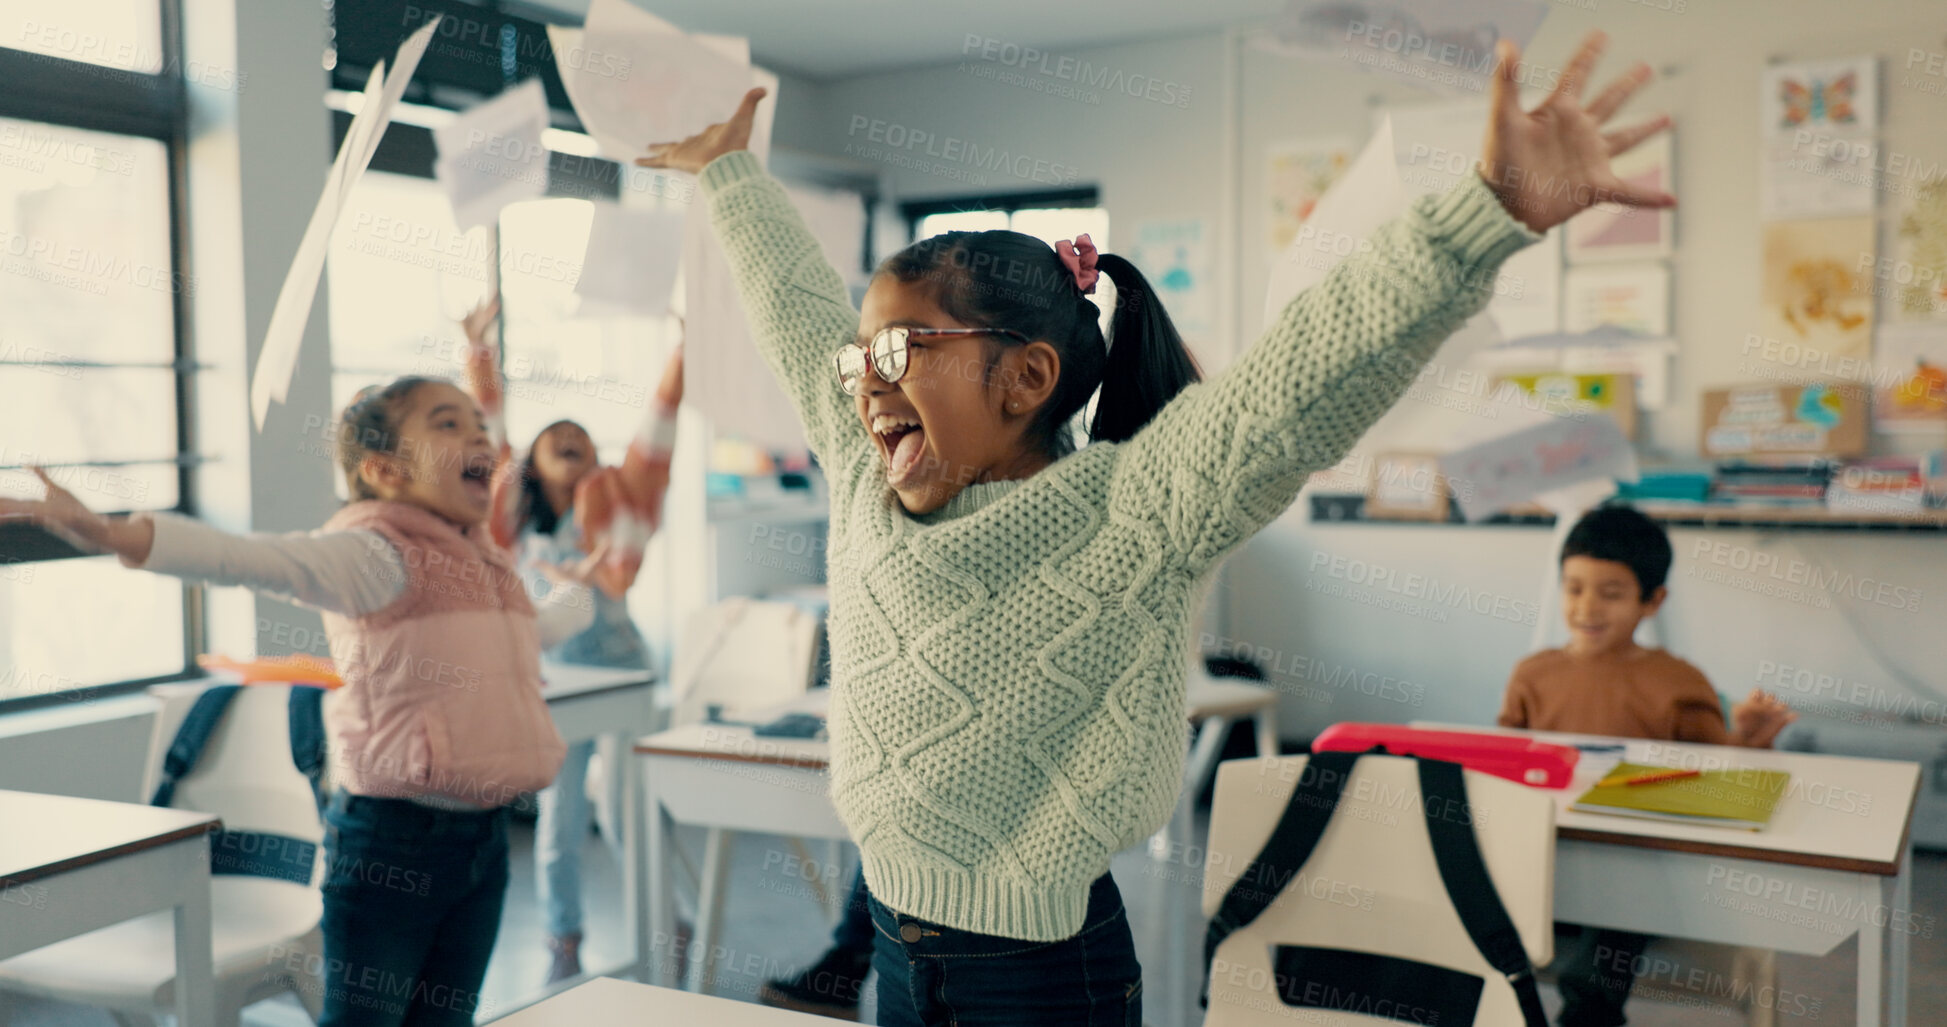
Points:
(1719, 798)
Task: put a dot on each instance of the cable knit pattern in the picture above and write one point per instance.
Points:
(1008, 671)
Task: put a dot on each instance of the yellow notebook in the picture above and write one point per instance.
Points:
(1721, 798)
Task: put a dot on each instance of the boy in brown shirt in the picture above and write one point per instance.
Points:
(1613, 568)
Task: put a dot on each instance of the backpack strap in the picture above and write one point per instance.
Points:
(1443, 790)
(308, 737)
(187, 747)
(1303, 822)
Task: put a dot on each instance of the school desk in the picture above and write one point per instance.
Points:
(725, 778)
(69, 866)
(591, 703)
(1833, 863)
(607, 1002)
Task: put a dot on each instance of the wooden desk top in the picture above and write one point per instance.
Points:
(1837, 813)
(606, 1001)
(51, 834)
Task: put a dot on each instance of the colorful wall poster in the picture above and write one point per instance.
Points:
(1174, 254)
(1611, 231)
(1296, 175)
(1633, 297)
(1813, 290)
(1836, 96)
(1910, 379)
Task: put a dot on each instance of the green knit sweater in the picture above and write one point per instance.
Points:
(1008, 672)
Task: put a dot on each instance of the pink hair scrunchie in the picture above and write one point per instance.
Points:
(1080, 258)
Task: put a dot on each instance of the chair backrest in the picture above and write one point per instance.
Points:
(743, 654)
(245, 774)
(1371, 885)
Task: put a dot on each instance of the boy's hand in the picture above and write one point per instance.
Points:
(1759, 718)
(696, 152)
(67, 519)
(1550, 163)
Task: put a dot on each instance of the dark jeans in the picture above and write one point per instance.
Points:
(1595, 974)
(412, 899)
(951, 978)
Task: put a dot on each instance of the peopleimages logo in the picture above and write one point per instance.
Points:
(951, 150)
(1071, 69)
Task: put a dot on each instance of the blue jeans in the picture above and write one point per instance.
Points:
(412, 899)
(943, 976)
(558, 837)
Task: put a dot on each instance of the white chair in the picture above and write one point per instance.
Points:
(264, 932)
(1371, 886)
(744, 655)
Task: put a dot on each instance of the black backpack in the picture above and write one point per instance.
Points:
(252, 853)
(1315, 977)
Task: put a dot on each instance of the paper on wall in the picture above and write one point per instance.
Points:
(632, 259)
(491, 155)
(635, 79)
(1367, 196)
(277, 359)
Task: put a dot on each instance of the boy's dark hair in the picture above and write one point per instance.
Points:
(370, 424)
(1624, 535)
(1002, 279)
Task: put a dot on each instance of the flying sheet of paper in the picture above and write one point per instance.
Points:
(632, 259)
(635, 79)
(491, 155)
(277, 359)
(1446, 46)
(1366, 196)
(1543, 459)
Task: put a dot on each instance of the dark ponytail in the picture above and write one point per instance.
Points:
(1004, 279)
(1148, 364)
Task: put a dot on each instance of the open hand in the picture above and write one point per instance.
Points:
(1759, 718)
(479, 321)
(69, 520)
(1548, 164)
(696, 152)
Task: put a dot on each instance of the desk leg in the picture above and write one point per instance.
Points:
(195, 972)
(1267, 731)
(654, 929)
(709, 907)
(1872, 951)
(1900, 948)
(624, 770)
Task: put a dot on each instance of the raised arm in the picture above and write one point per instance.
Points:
(1226, 457)
(348, 572)
(489, 389)
(796, 302)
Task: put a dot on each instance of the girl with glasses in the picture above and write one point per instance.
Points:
(1010, 614)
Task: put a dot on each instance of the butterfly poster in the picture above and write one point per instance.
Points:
(1833, 97)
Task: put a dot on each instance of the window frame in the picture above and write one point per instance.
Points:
(67, 93)
(1079, 196)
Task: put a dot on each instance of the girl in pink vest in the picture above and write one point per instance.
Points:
(440, 723)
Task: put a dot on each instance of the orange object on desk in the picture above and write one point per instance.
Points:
(297, 668)
(1661, 775)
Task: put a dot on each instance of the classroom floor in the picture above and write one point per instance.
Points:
(773, 924)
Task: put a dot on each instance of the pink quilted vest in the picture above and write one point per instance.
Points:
(442, 693)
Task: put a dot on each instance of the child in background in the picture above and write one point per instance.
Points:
(569, 520)
(1009, 614)
(440, 722)
(1613, 566)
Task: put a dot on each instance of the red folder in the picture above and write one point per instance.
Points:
(1516, 757)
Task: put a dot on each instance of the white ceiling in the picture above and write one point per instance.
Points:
(836, 39)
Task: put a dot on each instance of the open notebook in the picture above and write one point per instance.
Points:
(1722, 798)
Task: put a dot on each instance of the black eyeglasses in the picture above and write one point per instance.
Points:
(887, 356)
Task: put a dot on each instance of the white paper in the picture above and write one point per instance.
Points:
(1816, 176)
(1367, 196)
(1446, 46)
(635, 79)
(277, 359)
(491, 155)
(632, 259)
(1543, 458)
(723, 374)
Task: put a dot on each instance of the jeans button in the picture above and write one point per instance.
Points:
(910, 933)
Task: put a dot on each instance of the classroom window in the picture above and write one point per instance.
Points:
(92, 362)
(1049, 216)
